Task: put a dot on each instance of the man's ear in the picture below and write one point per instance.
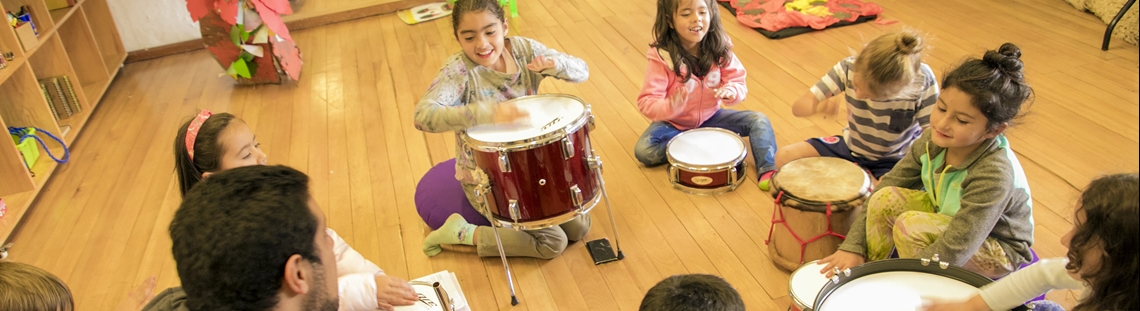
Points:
(298, 274)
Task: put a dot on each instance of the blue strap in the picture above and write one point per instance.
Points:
(23, 133)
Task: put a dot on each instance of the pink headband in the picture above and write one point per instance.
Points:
(192, 131)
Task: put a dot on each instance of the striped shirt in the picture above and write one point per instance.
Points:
(878, 130)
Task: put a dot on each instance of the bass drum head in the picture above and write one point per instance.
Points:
(548, 114)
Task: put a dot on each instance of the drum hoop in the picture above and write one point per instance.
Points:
(732, 185)
(902, 265)
(706, 167)
(544, 223)
(796, 298)
(532, 142)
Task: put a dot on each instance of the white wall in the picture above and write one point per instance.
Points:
(151, 23)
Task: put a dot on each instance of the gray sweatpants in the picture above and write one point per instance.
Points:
(544, 243)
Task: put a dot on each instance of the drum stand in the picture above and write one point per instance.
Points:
(596, 165)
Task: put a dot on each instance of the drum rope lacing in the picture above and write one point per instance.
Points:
(782, 220)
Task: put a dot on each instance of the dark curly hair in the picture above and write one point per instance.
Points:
(692, 292)
(234, 232)
(996, 84)
(1112, 221)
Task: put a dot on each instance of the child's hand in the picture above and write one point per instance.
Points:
(509, 113)
(540, 63)
(678, 98)
(841, 260)
(138, 297)
(828, 107)
(393, 291)
(726, 94)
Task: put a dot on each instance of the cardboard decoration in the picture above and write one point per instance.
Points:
(248, 38)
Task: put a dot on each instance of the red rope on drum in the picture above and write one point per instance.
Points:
(803, 244)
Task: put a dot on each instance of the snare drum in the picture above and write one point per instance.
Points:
(899, 284)
(541, 172)
(706, 161)
(816, 202)
(804, 284)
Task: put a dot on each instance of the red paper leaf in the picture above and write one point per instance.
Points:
(198, 8)
(272, 20)
(289, 56)
(228, 10)
(281, 7)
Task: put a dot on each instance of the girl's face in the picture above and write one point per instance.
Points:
(863, 92)
(481, 34)
(240, 147)
(691, 22)
(1090, 256)
(957, 123)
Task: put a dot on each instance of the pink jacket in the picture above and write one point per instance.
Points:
(660, 82)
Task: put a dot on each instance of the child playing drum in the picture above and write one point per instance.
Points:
(889, 94)
(467, 92)
(692, 72)
(960, 193)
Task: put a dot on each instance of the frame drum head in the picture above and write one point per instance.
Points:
(822, 179)
(548, 114)
(805, 283)
(705, 147)
(896, 290)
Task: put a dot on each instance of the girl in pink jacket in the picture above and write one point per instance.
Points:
(691, 74)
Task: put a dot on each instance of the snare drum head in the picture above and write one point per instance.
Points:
(548, 114)
(805, 283)
(706, 147)
(897, 290)
(822, 179)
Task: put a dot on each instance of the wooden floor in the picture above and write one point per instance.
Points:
(101, 223)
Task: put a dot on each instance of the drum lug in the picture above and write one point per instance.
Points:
(590, 123)
(594, 162)
(514, 207)
(576, 195)
(567, 148)
(504, 163)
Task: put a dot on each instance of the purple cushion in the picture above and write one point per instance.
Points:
(438, 195)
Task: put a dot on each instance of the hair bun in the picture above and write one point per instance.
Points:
(1006, 59)
(908, 42)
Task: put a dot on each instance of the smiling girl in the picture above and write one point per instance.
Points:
(960, 193)
(469, 91)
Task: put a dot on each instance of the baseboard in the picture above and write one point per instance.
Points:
(296, 22)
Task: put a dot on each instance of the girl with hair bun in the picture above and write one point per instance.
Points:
(960, 193)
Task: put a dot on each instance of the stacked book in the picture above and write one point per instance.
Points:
(60, 96)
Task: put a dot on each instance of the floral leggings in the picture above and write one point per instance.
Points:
(905, 219)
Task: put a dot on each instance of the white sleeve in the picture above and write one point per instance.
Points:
(1025, 284)
(355, 277)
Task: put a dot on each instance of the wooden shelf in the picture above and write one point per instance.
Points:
(80, 42)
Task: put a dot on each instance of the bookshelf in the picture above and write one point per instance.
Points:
(81, 42)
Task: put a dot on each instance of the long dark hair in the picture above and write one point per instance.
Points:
(996, 84)
(207, 150)
(714, 47)
(1112, 220)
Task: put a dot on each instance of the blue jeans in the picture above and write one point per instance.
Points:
(651, 147)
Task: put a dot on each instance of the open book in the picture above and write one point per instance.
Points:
(430, 298)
